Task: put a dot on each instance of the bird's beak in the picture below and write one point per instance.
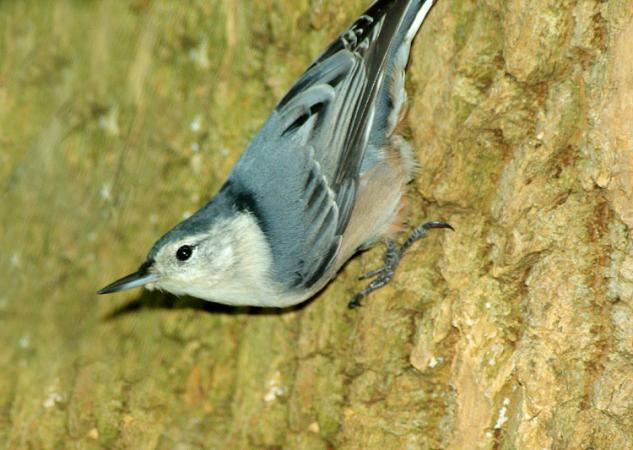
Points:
(139, 278)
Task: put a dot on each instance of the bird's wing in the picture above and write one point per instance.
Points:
(299, 173)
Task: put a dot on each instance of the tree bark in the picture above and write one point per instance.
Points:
(514, 331)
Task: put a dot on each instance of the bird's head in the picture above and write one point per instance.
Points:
(191, 257)
(209, 259)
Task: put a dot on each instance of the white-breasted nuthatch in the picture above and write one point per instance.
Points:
(322, 179)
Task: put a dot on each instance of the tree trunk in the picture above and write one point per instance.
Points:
(514, 331)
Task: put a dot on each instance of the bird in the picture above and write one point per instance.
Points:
(323, 179)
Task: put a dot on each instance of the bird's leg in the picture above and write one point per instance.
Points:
(383, 275)
(392, 258)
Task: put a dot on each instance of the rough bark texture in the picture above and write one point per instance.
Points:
(515, 331)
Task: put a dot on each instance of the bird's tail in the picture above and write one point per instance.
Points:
(392, 95)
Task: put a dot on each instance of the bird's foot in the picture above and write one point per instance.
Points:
(393, 255)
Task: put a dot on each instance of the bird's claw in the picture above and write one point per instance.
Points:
(392, 258)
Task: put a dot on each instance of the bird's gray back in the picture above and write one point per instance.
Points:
(299, 174)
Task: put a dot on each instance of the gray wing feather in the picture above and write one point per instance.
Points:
(296, 210)
(300, 172)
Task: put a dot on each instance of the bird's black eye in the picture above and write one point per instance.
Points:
(184, 252)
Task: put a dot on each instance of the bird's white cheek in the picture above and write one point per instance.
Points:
(224, 258)
(208, 269)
